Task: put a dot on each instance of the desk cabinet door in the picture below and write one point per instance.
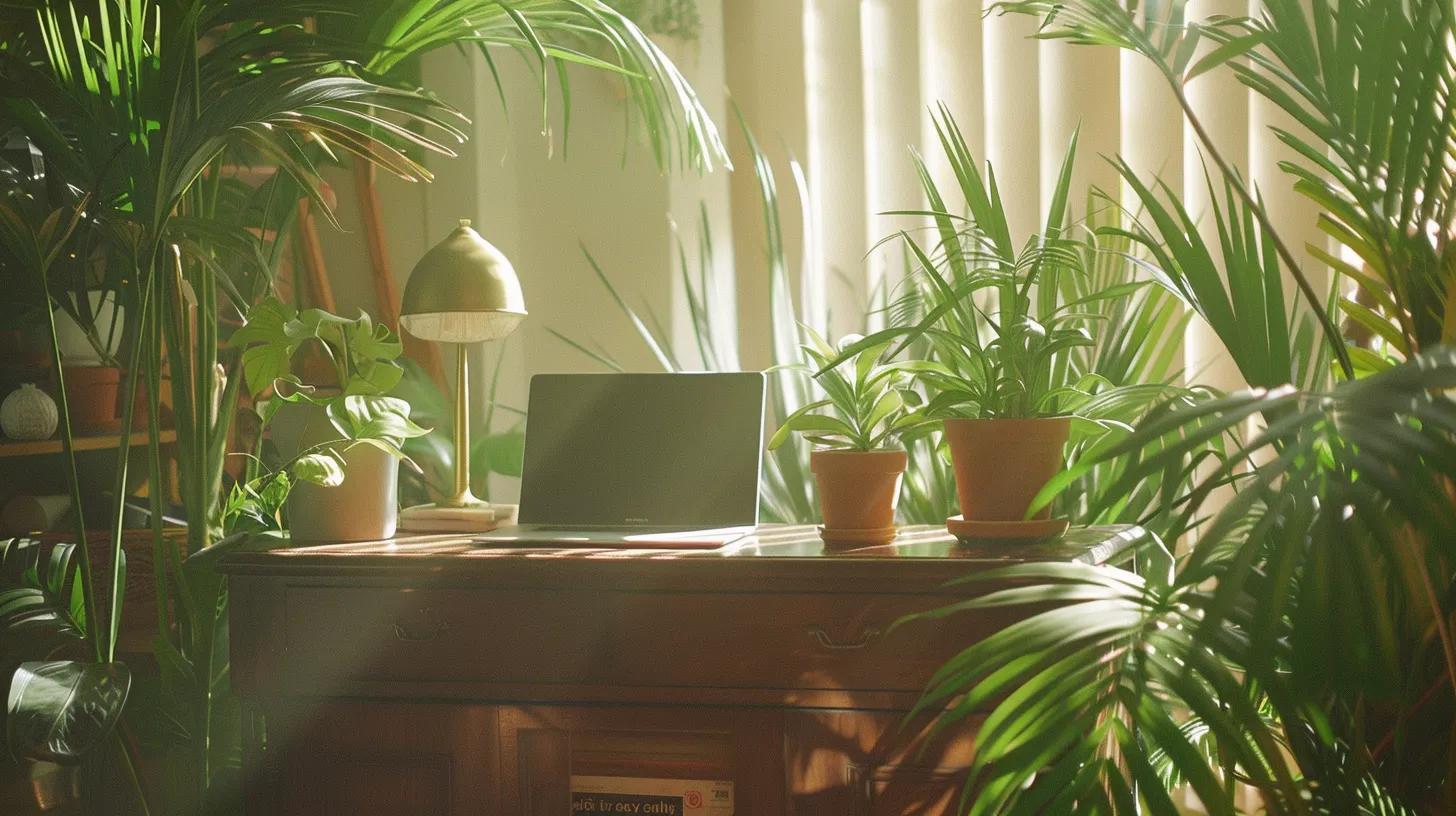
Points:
(859, 763)
(542, 747)
(382, 759)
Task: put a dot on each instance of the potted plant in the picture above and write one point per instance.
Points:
(1007, 414)
(334, 425)
(1282, 658)
(1000, 327)
(857, 461)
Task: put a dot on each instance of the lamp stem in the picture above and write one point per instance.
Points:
(462, 497)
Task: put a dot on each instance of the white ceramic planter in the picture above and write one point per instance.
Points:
(76, 350)
(363, 508)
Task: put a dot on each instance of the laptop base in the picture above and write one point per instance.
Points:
(541, 535)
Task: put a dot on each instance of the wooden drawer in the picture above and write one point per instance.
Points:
(787, 641)
(451, 635)
(810, 641)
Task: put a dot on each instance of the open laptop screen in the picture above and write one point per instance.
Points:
(670, 450)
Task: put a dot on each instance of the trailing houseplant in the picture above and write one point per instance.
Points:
(856, 429)
(340, 433)
(1300, 648)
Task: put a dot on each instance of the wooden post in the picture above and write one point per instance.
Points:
(312, 253)
(386, 295)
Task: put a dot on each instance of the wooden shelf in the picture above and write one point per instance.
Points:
(41, 447)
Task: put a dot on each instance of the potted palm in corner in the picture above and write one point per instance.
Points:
(857, 428)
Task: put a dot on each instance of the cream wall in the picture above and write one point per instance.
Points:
(764, 70)
(540, 197)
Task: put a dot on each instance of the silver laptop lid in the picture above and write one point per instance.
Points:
(667, 450)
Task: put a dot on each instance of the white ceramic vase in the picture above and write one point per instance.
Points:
(365, 507)
(29, 413)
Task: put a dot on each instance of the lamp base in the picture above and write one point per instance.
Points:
(475, 518)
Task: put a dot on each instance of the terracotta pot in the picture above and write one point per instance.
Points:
(858, 491)
(91, 397)
(1001, 464)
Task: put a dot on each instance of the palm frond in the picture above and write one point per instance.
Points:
(1375, 138)
(1233, 285)
(1304, 581)
(1171, 43)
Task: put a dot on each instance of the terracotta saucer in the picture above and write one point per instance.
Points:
(1005, 530)
(868, 537)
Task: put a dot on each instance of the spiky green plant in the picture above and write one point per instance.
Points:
(1301, 646)
(1061, 322)
(868, 405)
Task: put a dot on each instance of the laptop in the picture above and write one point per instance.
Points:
(639, 460)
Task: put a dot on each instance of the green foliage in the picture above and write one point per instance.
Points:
(1235, 286)
(1069, 324)
(380, 421)
(57, 709)
(363, 354)
(1016, 353)
(1137, 350)
(1300, 646)
(363, 361)
(1172, 45)
(1372, 88)
(41, 588)
(256, 505)
(1287, 601)
(871, 407)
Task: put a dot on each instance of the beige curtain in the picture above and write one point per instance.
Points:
(854, 102)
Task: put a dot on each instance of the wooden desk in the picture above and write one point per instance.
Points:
(427, 675)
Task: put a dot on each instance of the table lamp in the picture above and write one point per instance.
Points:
(462, 291)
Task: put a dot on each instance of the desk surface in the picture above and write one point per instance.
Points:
(776, 552)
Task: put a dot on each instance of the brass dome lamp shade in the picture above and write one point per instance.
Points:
(462, 291)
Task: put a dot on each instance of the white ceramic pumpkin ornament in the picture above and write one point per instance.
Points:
(28, 413)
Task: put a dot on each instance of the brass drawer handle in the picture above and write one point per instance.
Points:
(867, 636)
(428, 627)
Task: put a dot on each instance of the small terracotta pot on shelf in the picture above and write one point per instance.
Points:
(858, 492)
(91, 393)
(1000, 465)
